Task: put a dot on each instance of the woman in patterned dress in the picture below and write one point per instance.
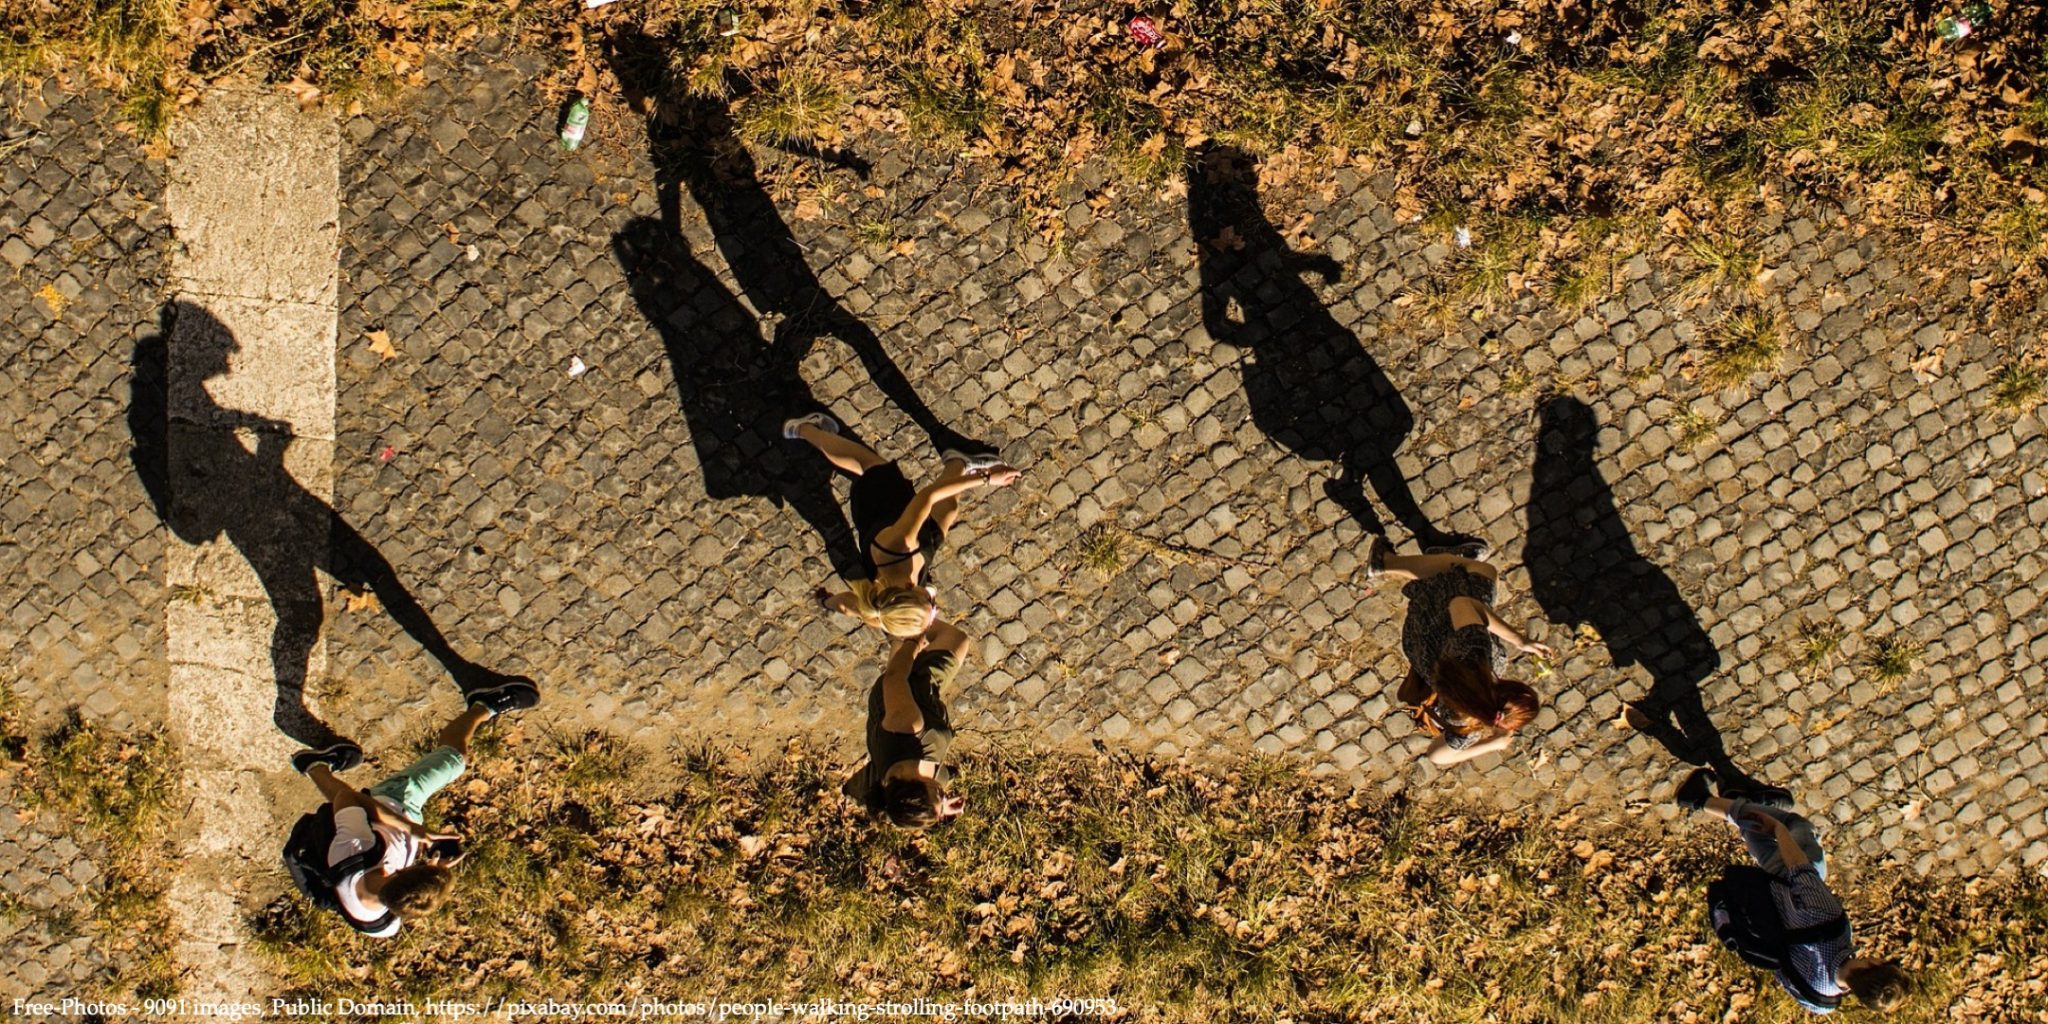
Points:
(1457, 649)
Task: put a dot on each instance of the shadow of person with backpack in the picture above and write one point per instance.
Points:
(205, 484)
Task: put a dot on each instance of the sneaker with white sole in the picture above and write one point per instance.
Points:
(339, 757)
(820, 420)
(974, 462)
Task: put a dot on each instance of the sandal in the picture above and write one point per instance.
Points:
(822, 421)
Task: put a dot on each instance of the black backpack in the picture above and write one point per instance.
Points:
(305, 857)
(1747, 921)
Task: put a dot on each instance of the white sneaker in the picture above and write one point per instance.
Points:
(819, 420)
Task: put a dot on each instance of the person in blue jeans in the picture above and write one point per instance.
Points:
(414, 873)
(1783, 844)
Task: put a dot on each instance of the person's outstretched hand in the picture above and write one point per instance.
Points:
(1002, 476)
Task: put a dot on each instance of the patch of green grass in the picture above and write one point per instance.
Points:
(1741, 346)
(115, 792)
(1186, 891)
(1723, 264)
(1815, 647)
(1102, 552)
(1516, 382)
(1893, 659)
(1693, 428)
(800, 106)
(1584, 283)
(938, 108)
(875, 232)
(2019, 388)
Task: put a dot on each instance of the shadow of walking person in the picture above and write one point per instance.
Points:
(735, 388)
(694, 147)
(1312, 386)
(1584, 568)
(205, 483)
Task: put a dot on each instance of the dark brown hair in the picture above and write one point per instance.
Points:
(907, 803)
(419, 889)
(1472, 691)
(1881, 983)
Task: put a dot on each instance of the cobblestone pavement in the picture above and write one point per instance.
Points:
(561, 524)
(81, 240)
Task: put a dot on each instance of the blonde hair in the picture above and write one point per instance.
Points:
(897, 611)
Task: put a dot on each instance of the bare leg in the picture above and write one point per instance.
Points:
(458, 733)
(946, 513)
(323, 777)
(845, 453)
(1403, 568)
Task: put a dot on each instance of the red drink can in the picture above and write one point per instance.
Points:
(1146, 32)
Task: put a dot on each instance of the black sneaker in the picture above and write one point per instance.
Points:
(338, 757)
(1770, 796)
(1476, 550)
(517, 695)
(1692, 794)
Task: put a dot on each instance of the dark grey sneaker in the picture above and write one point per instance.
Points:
(1777, 797)
(517, 695)
(1692, 794)
(339, 757)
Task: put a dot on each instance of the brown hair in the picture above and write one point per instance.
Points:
(419, 889)
(1472, 691)
(1880, 983)
(907, 803)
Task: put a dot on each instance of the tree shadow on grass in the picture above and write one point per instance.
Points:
(1312, 387)
(205, 484)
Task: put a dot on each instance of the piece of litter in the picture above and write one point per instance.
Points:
(591, 5)
(1415, 127)
(576, 367)
(1463, 235)
(1514, 38)
(471, 252)
(386, 454)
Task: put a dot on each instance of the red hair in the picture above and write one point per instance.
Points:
(1471, 691)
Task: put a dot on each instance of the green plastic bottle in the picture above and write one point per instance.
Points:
(575, 122)
(1974, 15)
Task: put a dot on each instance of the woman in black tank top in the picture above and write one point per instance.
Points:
(899, 527)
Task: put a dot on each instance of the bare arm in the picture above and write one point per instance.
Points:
(1469, 611)
(900, 712)
(945, 636)
(1788, 845)
(1443, 754)
(900, 533)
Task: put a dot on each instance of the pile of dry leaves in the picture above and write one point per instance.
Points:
(1677, 111)
(1181, 893)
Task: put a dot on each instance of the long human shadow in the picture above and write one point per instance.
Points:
(1584, 568)
(205, 484)
(695, 149)
(1311, 384)
(735, 388)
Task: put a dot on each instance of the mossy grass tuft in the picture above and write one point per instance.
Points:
(1742, 345)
